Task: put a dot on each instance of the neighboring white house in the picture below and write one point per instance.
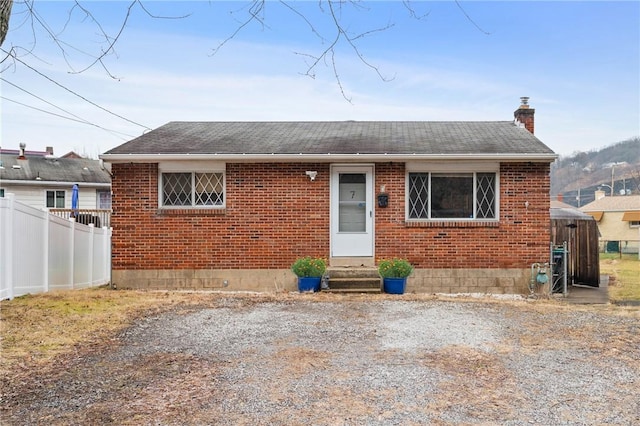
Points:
(41, 180)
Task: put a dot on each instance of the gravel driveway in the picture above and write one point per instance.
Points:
(307, 359)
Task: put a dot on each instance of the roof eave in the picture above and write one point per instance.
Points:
(154, 158)
(33, 182)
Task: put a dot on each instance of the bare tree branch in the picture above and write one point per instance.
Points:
(304, 18)
(471, 20)
(412, 13)
(333, 8)
(342, 34)
(255, 11)
(336, 10)
(337, 76)
(109, 40)
(154, 16)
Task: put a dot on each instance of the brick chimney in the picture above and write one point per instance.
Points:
(49, 150)
(524, 114)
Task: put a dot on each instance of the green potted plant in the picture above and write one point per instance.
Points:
(309, 271)
(394, 273)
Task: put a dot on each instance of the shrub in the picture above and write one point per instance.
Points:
(309, 266)
(394, 268)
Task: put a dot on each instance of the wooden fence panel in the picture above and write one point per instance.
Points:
(583, 265)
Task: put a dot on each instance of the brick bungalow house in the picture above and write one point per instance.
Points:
(213, 205)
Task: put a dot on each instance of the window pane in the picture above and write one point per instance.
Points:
(60, 199)
(1, 192)
(104, 200)
(418, 195)
(176, 189)
(452, 195)
(51, 199)
(209, 189)
(486, 195)
(352, 202)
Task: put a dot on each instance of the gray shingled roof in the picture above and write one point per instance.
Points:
(74, 170)
(337, 137)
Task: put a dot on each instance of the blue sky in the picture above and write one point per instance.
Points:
(577, 61)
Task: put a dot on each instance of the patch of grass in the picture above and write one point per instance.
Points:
(36, 328)
(624, 284)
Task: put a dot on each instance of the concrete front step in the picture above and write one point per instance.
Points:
(352, 290)
(354, 280)
(352, 261)
(352, 271)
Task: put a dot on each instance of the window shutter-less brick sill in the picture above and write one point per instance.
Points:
(451, 224)
(191, 212)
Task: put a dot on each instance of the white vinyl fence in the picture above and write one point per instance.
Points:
(41, 252)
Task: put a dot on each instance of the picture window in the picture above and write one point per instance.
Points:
(448, 196)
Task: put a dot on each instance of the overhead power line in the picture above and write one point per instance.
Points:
(73, 92)
(114, 132)
(78, 118)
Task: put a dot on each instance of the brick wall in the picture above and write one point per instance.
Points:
(520, 238)
(274, 214)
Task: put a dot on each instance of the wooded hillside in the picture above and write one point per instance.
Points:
(581, 173)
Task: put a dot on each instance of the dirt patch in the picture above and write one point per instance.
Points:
(478, 378)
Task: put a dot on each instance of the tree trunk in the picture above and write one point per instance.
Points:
(5, 13)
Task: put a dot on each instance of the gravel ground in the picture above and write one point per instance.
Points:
(348, 361)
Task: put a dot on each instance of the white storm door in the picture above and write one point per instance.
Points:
(351, 211)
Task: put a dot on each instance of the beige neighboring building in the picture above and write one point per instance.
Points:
(618, 221)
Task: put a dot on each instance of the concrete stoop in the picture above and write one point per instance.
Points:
(353, 279)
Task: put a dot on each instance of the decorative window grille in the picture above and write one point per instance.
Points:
(452, 196)
(192, 189)
(419, 195)
(209, 189)
(485, 195)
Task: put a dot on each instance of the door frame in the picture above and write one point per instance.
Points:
(335, 170)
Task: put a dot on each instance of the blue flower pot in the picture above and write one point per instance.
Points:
(309, 284)
(394, 285)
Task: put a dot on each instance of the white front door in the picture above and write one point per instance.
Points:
(352, 211)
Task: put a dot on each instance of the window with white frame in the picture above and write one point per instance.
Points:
(200, 189)
(103, 198)
(455, 195)
(55, 199)
(634, 223)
